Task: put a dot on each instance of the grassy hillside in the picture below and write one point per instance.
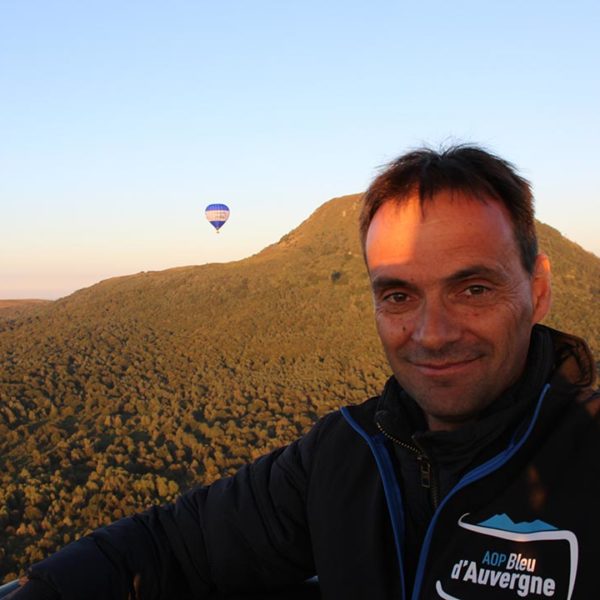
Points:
(118, 395)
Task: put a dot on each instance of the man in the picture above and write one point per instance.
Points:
(474, 474)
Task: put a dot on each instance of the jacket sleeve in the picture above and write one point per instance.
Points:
(242, 533)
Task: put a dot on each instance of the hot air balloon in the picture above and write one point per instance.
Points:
(217, 215)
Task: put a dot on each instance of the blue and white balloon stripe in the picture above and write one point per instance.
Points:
(217, 215)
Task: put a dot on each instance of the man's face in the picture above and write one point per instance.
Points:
(454, 306)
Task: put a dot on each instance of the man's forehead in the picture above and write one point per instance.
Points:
(409, 232)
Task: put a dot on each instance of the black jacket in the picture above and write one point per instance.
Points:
(524, 523)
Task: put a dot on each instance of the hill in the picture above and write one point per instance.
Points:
(122, 393)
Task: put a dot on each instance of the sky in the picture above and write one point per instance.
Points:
(120, 121)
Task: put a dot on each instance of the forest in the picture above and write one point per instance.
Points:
(123, 394)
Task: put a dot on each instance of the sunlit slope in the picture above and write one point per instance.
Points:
(115, 396)
(304, 299)
(119, 394)
(576, 287)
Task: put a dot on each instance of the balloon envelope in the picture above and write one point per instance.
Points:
(217, 215)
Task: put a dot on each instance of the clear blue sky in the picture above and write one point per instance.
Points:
(120, 121)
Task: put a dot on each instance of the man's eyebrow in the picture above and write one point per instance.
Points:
(384, 282)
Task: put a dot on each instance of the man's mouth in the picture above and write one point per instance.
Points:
(447, 367)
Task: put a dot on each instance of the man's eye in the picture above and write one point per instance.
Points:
(476, 290)
(396, 298)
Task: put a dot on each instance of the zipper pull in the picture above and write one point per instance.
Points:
(425, 466)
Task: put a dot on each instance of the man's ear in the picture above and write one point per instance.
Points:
(541, 288)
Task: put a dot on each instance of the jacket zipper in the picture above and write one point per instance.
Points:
(428, 479)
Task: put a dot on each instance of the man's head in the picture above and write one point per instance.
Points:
(450, 246)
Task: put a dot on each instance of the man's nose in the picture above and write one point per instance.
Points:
(435, 325)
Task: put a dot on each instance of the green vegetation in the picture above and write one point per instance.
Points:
(122, 394)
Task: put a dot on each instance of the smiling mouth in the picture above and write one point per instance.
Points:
(444, 368)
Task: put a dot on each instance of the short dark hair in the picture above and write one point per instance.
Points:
(460, 168)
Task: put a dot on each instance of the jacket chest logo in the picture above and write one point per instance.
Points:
(502, 559)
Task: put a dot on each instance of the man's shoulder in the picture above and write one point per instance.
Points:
(336, 423)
